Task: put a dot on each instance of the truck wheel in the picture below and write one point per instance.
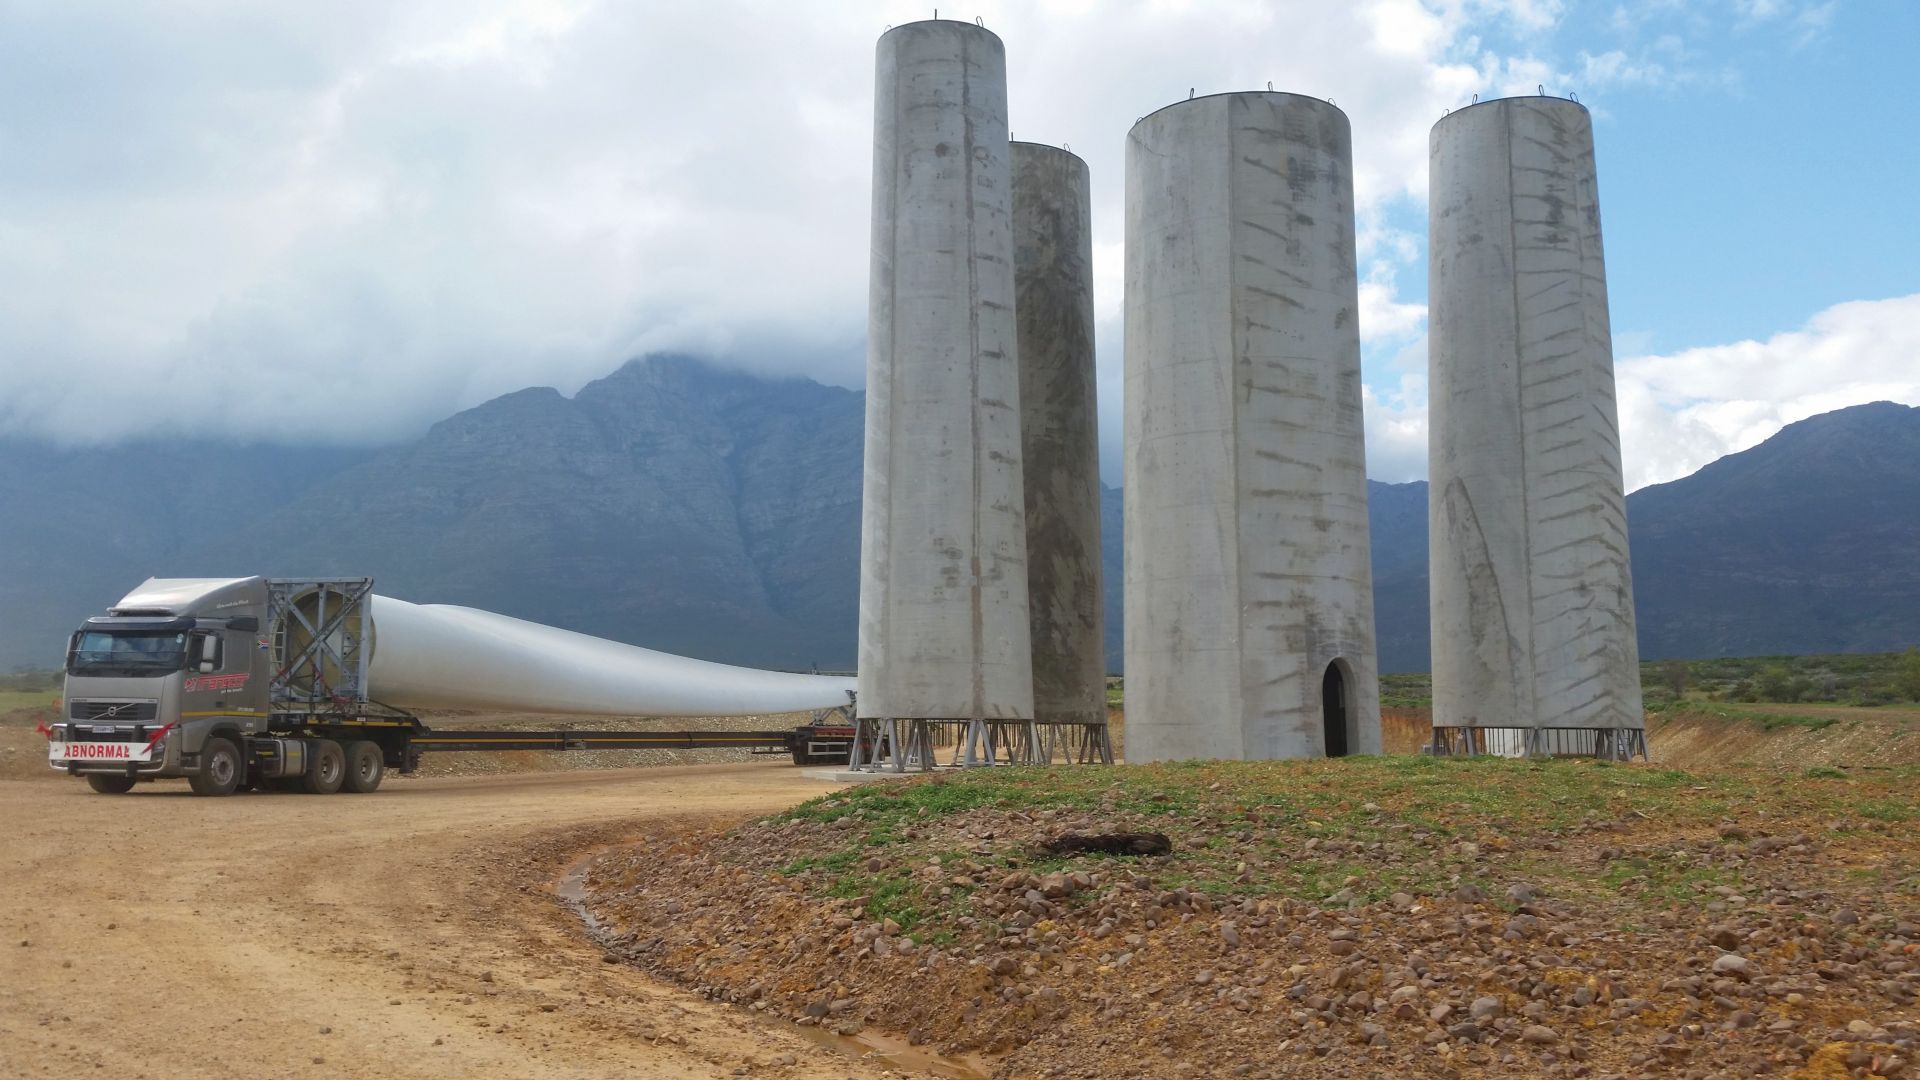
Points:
(110, 785)
(366, 764)
(326, 767)
(220, 769)
(801, 757)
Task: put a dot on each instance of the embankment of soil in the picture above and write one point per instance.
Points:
(1367, 917)
(1855, 739)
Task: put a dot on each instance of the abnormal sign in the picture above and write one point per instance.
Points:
(131, 753)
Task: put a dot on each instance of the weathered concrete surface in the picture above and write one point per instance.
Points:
(1059, 433)
(943, 586)
(1532, 594)
(1246, 505)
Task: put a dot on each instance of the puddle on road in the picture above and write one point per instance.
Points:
(893, 1051)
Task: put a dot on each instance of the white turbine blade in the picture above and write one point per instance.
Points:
(437, 656)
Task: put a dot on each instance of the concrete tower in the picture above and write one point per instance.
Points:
(943, 587)
(1249, 598)
(1059, 433)
(1532, 593)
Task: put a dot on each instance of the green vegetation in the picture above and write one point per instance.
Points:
(1368, 827)
(1675, 677)
(1840, 679)
(1406, 690)
(32, 681)
(1768, 720)
(28, 690)
(1906, 678)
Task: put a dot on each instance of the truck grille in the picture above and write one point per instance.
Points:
(115, 711)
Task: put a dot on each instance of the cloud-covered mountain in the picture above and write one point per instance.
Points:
(717, 514)
(1809, 542)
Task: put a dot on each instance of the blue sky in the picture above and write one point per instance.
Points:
(416, 205)
(1754, 173)
(1752, 161)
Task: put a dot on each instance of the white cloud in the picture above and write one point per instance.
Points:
(210, 214)
(1384, 318)
(1396, 424)
(346, 221)
(1681, 411)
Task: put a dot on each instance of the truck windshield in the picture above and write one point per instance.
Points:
(128, 653)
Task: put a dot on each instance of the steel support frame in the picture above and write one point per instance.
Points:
(340, 636)
(905, 744)
(1608, 744)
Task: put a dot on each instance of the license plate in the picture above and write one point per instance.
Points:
(106, 729)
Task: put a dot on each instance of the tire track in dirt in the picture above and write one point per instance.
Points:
(406, 934)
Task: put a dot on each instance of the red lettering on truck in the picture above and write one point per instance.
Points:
(216, 682)
(100, 750)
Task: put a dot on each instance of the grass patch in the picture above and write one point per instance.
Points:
(1767, 719)
(10, 700)
(1356, 828)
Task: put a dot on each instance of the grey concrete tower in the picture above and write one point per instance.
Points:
(1532, 593)
(1249, 597)
(943, 586)
(1059, 433)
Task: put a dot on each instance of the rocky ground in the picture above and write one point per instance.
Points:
(1366, 917)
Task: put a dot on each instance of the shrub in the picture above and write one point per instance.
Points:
(1774, 682)
(1906, 678)
(1674, 674)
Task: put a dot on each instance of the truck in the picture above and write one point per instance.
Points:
(310, 684)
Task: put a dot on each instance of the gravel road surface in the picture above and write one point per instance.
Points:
(408, 933)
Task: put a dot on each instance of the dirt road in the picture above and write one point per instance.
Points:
(409, 933)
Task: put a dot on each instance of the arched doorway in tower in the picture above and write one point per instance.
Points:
(1333, 710)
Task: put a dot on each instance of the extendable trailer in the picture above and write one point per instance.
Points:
(247, 682)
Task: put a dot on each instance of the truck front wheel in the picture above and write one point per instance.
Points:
(220, 769)
(107, 784)
(366, 764)
(326, 767)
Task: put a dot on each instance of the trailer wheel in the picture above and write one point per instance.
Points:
(108, 784)
(326, 768)
(220, 769)
(366, 764)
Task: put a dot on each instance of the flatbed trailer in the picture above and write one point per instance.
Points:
(769, 742)
(821, 742)
(358, 752)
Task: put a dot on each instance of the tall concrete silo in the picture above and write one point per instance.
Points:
(1532, 595)
(1249, 598)
(943, 589)
(1060, 447)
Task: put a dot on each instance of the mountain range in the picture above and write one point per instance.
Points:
(704, 511)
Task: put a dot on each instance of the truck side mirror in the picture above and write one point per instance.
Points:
(207, 652)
